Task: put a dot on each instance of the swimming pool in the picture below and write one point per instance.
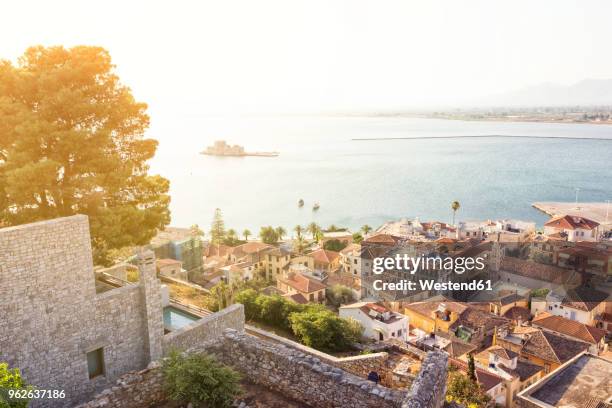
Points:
(175, 318)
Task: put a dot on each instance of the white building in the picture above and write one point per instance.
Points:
(573, 227)
(379, 323)
(581, 304)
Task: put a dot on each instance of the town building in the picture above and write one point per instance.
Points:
(301, 288)
(181, 244)
(379, 322)
(171, 268)
(572, 228)
(581, 304)
(595, 337)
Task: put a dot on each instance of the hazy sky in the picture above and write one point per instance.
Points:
(283, 55)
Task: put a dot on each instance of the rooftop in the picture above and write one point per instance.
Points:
(586, 381)
(569, 327)
(572, 222)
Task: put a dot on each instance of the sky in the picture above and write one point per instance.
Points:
(217, 57)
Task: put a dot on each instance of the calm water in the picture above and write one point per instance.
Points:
(359, 182)
(175, 318)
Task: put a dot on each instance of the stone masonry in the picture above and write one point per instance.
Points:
(51, 315)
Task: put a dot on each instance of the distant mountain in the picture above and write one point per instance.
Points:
(586, 92)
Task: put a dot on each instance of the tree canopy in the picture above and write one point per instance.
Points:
(72, 142)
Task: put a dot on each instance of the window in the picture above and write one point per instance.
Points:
(355, 261)
(311, 297)
(95, 363)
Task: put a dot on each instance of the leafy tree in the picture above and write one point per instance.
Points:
(231, 233)
(217, 230)
(334, 245)
(200, 380)
(357, 238)
(221, 293)
(246, 234)
(280, 232)
(339, 295)
(268, 235)
(271, 309)
(366, 229)
(313, 229)
(10, 378)
(72, 142)
(455, 206)
(196, 231)
(333, 228)
(299, 244)
(248, 298)
(462, 390)
(324, 330)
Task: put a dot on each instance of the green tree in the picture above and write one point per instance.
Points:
(231, 233)
(221, 293)
(463, 391)
(72, 142)
(339, 295)
(246, 234)
(471, 367)
(199, 379)
(333, 228)
(455, 206)
(299, 244)
(248, 298)
(196, 231)
(10, 379)
(366, 229)
(268, 235)
(313, 229)
(298, 230)
(324, 330)
(334, 245)
(271, 310)
(357, 238)
(280, 232)
(217, 229)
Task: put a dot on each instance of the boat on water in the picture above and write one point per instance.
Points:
(300, 203)
(222, 148)
(315, 207)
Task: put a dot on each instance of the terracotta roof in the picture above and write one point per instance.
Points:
(572, 222)
(350, 248)
(518, 312)
(443, 226)
(458, 348)
(301, 283)
(570, 328)
(583, 298)
(445, 240)
(324, 256)
(524, 369)
(552, 347)
(502, 352)
(427, 307)
(386, 239)
(249, 248)
(487, 380)
(297, 298)
(476, 319)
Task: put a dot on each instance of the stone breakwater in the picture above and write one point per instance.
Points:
(288, 371)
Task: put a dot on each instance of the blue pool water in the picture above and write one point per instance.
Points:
(175, 318)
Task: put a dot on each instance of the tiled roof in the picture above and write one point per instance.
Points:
(583, 298)
(502, 352)
(572, 222)
(297, 298)
(524, 369)
(569, 327)
(249, 248)
(518, 312)
(552, 347)
(302, 284)
(324, 256)
(458, 348)
(386, 239)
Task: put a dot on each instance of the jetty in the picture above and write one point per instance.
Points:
(599, 212)
(222, 148)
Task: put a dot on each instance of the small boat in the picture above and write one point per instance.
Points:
(300, 203)
(315, 207)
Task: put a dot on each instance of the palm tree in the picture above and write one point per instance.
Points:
(455, 206)
(231, 233)
(366, 229)
(280, 231)
(246, 234)
(298, 230)
(299, 244)
(313, 228)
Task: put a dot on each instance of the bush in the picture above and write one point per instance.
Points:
(334, 245)
(323, 330)
(199, 379)
(539, 293)
(338, 295)
(462, 390)
(10, 378)
(248, 298)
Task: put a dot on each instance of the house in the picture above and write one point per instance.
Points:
(345, 237)
(582, 382)
(540, 347)
(379, 322)
(382, 239)
(275, 259)
(298, 284)
(324, 260)
(516, 374)
(350, 260)
(573, 228)
(250, 252)
(596, 338)
(581, 304)
(587, 257)
(239, 272)
(171, 268)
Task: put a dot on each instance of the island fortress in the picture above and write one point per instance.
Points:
(65, 329)
(222, 148)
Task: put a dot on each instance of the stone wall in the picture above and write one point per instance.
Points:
(205, 330)
(51, 315)
(429, 388)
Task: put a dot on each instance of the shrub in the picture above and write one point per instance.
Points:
(323, 330)
(10, 378)
(462, 390)
(199, 379)
(334, 245)
(248, 298)
(339, 294)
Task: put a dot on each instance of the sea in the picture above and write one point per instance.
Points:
(407, 167)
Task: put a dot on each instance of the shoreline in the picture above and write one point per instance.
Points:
(482, 136)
